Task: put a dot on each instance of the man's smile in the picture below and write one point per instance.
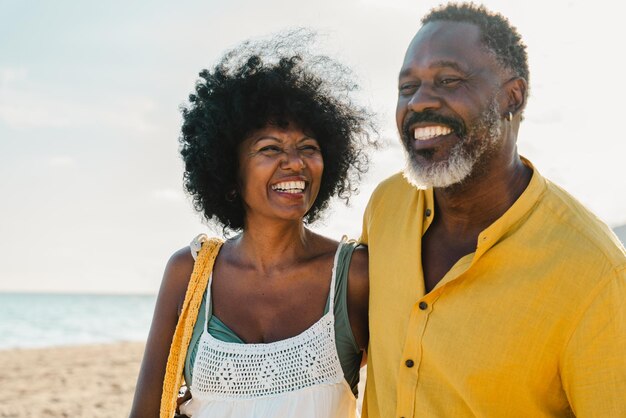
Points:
(425, 128)
(423, 133)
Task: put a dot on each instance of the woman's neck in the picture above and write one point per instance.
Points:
(268, 245)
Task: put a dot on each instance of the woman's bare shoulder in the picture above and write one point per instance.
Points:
(180, 264)
(169, 303)
(176, 277)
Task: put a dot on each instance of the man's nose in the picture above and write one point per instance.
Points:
(423, 99)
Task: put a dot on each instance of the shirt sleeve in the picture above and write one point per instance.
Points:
(364, 239)
(593, 366)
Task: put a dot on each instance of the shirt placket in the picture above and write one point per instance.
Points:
(408, 376)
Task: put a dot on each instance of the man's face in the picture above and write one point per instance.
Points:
(448, 111)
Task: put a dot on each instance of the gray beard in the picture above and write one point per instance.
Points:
(481, 137)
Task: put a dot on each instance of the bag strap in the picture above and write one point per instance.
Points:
(186, 321)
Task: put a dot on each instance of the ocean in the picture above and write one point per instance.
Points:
(45, 320)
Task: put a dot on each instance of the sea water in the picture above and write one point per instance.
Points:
(44, 320)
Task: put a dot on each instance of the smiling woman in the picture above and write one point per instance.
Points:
(288, 163)
(260, 85)
(273, 321)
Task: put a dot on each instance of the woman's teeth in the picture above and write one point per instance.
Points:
(289, 187)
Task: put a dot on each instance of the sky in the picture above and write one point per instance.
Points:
(91, 197)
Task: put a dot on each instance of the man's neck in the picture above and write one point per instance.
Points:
(472, 206)
(464, 211)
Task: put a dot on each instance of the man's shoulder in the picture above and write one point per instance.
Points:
(582, 227)
(395, 185)
(395, 206)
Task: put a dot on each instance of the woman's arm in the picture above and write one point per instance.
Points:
(358, 296)
(147, 399)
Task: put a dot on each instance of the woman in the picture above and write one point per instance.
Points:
(282, 324)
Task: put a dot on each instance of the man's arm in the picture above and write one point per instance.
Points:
(364, 233)
(593, 365)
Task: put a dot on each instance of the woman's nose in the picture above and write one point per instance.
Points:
(292, 160)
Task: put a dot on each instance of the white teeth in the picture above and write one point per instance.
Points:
(289, 186)
(428, 132)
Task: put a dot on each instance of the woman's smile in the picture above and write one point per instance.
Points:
(280, 171)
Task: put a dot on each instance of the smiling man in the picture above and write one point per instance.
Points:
(493, 292)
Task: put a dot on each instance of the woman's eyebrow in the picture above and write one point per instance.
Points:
(266, 137)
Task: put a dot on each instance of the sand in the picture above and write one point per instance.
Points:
(96, 381)
(82, 381)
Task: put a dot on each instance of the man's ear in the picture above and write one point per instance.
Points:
(516, 93)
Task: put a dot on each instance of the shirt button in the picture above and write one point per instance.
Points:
(409, 363)
(427, 212)
(423, 306)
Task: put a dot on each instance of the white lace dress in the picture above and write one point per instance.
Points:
(297, 377)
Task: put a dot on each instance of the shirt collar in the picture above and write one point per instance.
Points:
(507, 221)
(515, 214)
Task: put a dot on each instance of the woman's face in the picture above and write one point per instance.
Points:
(280, 171)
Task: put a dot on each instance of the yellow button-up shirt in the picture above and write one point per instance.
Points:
(532, 324)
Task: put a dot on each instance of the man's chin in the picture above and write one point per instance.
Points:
(414, 181)
(437, 175)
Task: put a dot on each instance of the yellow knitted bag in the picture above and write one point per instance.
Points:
(186, 322)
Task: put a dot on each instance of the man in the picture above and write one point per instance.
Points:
(493, 293)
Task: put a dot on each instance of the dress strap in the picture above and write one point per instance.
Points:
(184, 327)
(208, 306)
(195, 246)
(333, 280)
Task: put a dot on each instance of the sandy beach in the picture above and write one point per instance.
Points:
(95, 381)
(80, 381)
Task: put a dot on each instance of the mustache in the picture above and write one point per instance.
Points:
(457, 126)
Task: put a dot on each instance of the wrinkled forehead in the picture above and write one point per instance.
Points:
(449, 42)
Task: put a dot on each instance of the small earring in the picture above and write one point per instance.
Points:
(231, 195)
(509, 116)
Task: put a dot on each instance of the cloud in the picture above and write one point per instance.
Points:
(545, 116)
(388, 5)
(172, 195)
(26, 105)
(10, 75)
(61, 161)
